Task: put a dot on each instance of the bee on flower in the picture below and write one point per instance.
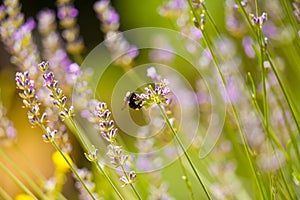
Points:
(156, 93)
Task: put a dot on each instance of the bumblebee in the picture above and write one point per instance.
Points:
(133, 101)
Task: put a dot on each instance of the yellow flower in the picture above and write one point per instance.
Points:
(60, 163)
(23, 197)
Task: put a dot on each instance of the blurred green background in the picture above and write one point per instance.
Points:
(133, 14)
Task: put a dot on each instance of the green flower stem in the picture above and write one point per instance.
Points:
(279, 145)
(207, 41)
(4, 195)
(186, 179)
(131, 184)
(263, 55)
(259, 38)
(248, 155)
(185, 175)
(290, 132)
(269, 131)
(109, 180)
(211, 19)
(86, 145)
(286, 96)
(68, 162)
(291, 193)
(36, 189)
(271, 185)
(290, 190)
(242, 134)
(256, 7)
(73, 170)
(272, 135)
(267, 128)
(263, 79)
(238, 2)
(289, 12)
(184, 150)
(17, 181)
(265, 115)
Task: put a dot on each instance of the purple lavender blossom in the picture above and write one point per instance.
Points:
(105, 124)
(30, 101)
(107, 15)
(67, 12)
(2, 12)
(27, 27)
(258, 20)
(112, 17)
(49, 79)
(56, 93)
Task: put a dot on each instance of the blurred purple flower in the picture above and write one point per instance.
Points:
(74, 68)
(26, 28)
(232, 90)
(247, 43)
(151, 72)
(67, 12)
(112, 17)
(270, 30)
(196, 33)
(161, 55)
(206, 53)
(11, 132)
(177, 4)
(133, 52)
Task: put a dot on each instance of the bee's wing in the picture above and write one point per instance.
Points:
(124, 104)
(126, 100)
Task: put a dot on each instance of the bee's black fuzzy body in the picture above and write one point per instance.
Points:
(133, 101)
